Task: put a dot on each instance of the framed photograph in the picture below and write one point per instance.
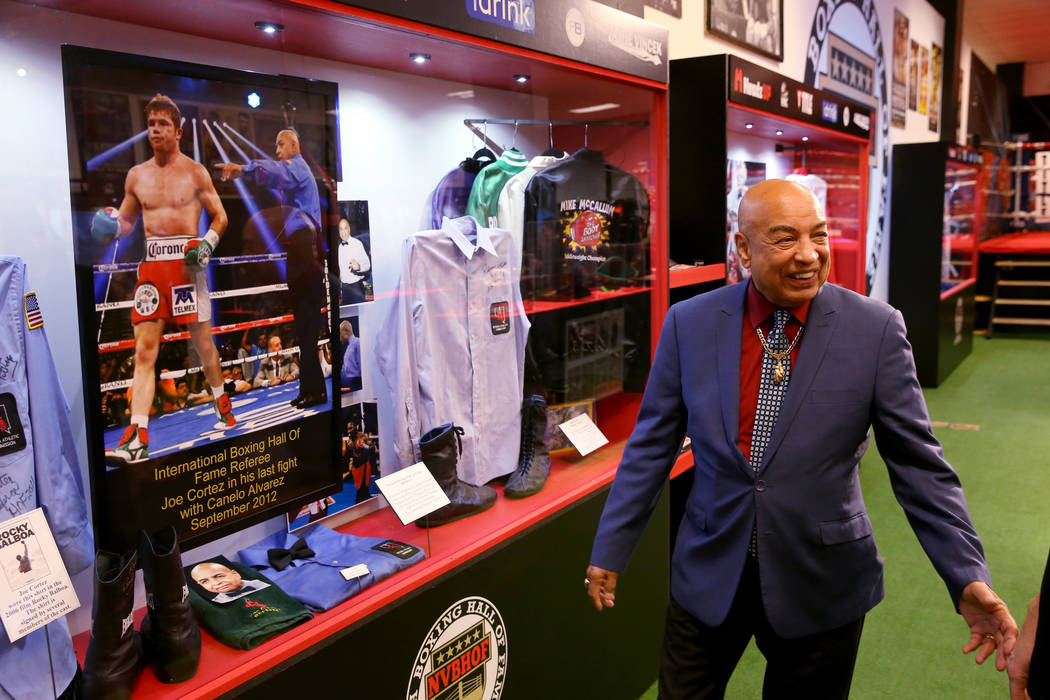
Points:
(558, 414)
(204, 315)
(352, 254)
(358, 463)
(757, 25)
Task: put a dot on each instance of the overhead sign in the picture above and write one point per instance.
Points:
(761, 88)
(580, 30)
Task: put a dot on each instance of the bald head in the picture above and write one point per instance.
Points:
(783, 240)
(216, 578)
(287, 145)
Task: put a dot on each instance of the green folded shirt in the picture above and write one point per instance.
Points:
(239, 606)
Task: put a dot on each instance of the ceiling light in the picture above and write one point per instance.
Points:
(805, 138)
(461, 94)
(254, 100)
(419, 58)
(780, 132)
(749, 125)
(21, 72)
(594, 108)
(269, 27)
(521, 78)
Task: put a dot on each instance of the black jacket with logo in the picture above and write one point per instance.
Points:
(586, 227)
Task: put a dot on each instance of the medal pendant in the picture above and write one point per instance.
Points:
(778, 372)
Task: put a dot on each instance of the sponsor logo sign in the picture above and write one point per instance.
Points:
(519, 15)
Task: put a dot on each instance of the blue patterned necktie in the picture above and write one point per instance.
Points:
(770, 396)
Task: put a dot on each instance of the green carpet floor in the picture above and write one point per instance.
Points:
(911, 647)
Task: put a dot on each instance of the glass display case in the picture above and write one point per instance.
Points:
(933, 278)
(762, 125)
(487, 259)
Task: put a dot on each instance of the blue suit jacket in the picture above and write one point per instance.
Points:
(819, 567)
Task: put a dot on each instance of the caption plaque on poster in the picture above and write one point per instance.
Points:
(204, 313)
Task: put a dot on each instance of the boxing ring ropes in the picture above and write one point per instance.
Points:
(275, 255)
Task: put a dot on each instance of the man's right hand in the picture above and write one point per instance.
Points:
(105, 224)
(229, 170)
(601, 586)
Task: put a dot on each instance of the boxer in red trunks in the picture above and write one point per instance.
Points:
(169, 190)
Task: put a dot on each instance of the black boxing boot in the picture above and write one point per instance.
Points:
(440, 449)
(534, 457)
(171, 638)
(114, 655)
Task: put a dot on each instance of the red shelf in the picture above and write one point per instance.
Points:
(223, 668)
(697, 275)
(535, 307)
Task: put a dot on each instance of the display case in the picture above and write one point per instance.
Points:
(938, 216)
(413, 95)
(734, 118)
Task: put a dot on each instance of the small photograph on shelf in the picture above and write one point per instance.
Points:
(899, 95)
(913, 76)
(757, 25)
(558, 414)
(740, 177)
(353, 256)
(348, 362)
(359, 463)
(218, 582)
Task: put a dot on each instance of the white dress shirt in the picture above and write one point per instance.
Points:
(353, 249)
(510, 210)
(452, 347)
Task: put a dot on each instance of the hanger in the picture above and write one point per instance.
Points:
(484, 151)
(552, 151)
(585, 129)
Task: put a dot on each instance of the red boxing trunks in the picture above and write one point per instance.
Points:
(166, 290)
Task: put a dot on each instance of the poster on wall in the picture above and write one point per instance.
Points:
(668, 7)
(202, 199)
(936, 67)
(851, 71)
(899, 98)
(757, 25)
(924, 78)
(352, 257)
(740, 177)
(913, 75)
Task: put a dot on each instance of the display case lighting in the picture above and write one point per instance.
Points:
(749, 125)
(269, 27)
(419, 58)
(780, 132)
(805, 138)
(521, 78)
(21, 72)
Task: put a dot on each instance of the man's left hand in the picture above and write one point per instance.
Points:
(992, 628)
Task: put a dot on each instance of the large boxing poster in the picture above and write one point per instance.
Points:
(203, 204)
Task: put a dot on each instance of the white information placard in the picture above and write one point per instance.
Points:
(583, 434)
(412, 492)
(34, 584)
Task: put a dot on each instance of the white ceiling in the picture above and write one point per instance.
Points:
(1008, 31)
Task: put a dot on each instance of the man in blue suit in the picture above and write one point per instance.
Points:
(776, 542)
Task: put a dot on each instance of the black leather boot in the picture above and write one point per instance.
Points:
(114, 655)
(534, 457)
(440, 448)
(171, 638)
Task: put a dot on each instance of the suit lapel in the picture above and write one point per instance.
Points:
(819, 326)
(730, 323)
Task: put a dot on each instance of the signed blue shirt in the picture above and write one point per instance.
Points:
(316, 582)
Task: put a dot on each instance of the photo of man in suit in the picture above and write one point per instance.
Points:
(777, 382)
(225, 583)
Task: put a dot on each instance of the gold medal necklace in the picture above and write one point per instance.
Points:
(778, 371)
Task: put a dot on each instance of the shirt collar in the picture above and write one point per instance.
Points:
(459, 229)
(759, 308)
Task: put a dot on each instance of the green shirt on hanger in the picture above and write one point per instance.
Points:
(484, 195)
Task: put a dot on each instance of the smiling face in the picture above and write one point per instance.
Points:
(783, 240)
(344, 230)
(216, 578)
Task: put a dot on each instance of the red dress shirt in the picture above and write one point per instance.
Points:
(759, 311)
